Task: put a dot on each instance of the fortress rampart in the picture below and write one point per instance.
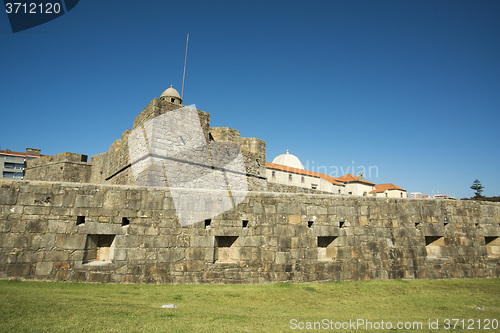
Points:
(128, 234)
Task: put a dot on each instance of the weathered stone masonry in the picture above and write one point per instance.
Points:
(72, 220)
(118, 233)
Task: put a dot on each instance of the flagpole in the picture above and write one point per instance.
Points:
(185, 60)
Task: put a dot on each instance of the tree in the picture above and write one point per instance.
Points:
(476, 186)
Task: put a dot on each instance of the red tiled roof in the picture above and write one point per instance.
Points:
(328, 178)
(380, 188)
(347, 178)
(16, 153)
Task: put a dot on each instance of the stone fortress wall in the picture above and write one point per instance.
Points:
(128, 234)
(113, 166)
(73, 220)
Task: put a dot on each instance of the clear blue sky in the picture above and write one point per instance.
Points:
(410, 87)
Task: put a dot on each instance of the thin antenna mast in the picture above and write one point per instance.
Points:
(184, 74)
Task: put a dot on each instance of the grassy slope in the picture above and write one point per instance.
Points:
(78, 307)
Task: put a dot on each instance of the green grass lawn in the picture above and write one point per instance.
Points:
(80, 307)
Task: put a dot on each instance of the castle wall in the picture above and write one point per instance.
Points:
(113, 166)
(219, 148)
(253, 151)
(159, 106)
(105, 233)
(68, 167)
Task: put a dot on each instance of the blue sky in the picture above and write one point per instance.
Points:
(409, 88)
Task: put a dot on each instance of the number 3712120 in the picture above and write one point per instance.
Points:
(32, 8)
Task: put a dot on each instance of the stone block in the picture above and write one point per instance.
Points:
(18, 226)
(363, 220)
(152, 200)
(43, 241)
(282, 257)
(70, 242)
(54, 255)
(62, 275)
(120, 254)
(316, 210)
(127, 279)
(269, 209)
(114, 199)
(5, 225)
(99, 277)
(18, 269)
(204, 241)
(196, 253)
(100, 228)
(6, 241)
(79, 276)
(43, 268)
(171, 254)
(89, 200)
(37, 226)
(22, 241)
(58, 227)
(157, 269)
(127, 241)
(294, 219)
(8, 194)
(136, 254)
(61, 265)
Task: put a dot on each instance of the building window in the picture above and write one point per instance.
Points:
(172, 100)
(9, 165)
(314, 186)
(14, 175)
(350, 193)
(290, 177)
(273, 174)
(303, 179)
(365, 194)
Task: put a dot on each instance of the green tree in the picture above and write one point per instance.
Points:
(476, 186)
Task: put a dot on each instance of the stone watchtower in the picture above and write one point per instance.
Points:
(171, 95)
(114, 166)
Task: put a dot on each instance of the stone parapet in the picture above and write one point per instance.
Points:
(69, 167)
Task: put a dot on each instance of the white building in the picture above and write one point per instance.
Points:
(356, 185)
(389, 191)
(286, 169)
(12, 163)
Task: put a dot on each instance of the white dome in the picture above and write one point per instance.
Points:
(171, 92)
(288, 160)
